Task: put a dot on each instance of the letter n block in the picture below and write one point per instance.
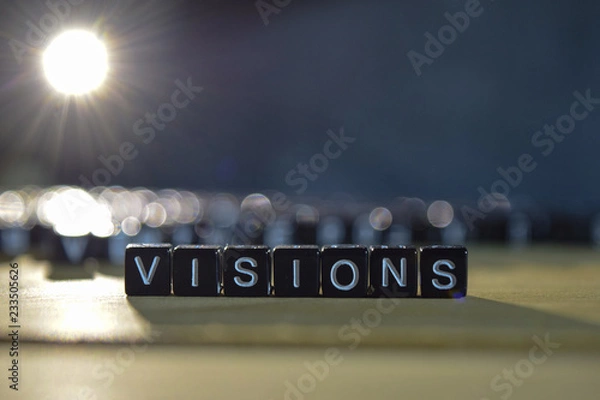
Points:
(394, 271)
(443, 271)
(148, 269)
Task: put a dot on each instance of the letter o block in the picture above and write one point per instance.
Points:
(345, 270)
(443, 271)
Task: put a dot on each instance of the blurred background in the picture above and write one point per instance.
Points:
(279, 81)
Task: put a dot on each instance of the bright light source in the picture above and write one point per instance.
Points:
(73, 212)
(75, 62)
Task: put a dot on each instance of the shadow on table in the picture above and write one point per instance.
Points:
(470, 322)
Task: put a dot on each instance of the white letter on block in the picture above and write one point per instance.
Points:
(399, 276)
(449, 275)
(333, 275)
(195, 272)
(253, 275)
(147, 278)
(296, 274)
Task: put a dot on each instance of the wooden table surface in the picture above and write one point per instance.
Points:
(83, 338)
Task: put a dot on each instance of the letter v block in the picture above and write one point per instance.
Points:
(148, 269)
(443, 271)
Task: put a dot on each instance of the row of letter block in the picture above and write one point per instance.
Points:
(295, 271)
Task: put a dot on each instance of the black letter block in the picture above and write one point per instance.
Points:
(296, 271)
(394, 271)
(196, 270)
(344, 271)
(148, 269)
(443, 271)
(247, 271)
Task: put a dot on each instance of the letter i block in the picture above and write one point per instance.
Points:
(196, 270)
(345, 271)
(296, 271)
(148, 269)
(247, 271)
(394, 271)
(443, 271)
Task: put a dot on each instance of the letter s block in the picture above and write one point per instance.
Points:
(247, 271)
(148, 269)
(443, 271)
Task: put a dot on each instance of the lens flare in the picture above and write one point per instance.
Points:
(75, 62)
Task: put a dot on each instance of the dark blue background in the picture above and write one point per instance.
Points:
(271, 92)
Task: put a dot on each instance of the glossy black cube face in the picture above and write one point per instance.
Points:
(296, 271)
(344, 271)
(247, 271)
(196, 270)
(394, 271)
(443, 271)
(148, 269)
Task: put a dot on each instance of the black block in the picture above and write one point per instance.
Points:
(148, 269)
(443, 271)
(296, 271)
(394, 271)
(196, 270)
(345, 270)
(247, 271)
